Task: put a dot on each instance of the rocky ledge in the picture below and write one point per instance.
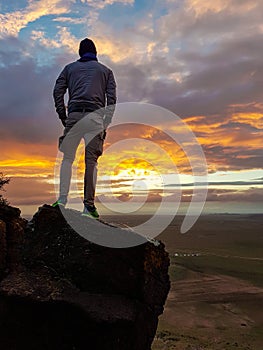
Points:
(59, 290)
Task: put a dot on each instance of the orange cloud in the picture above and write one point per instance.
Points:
(234, 132)
(13, 22)
(27, 160)
(253, 119)
(164, 152)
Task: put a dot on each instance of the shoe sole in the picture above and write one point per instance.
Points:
(59, 205)
(90, 216)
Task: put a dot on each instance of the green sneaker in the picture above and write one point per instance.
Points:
(58, 203)
(90, 211)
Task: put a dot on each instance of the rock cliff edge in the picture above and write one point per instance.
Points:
(59, 290)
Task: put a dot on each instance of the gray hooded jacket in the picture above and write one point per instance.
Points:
(90, 85)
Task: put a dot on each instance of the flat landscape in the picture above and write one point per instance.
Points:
(216, 273)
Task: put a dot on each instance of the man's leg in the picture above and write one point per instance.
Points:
(69, 144)
(93, 151)
(65, 179)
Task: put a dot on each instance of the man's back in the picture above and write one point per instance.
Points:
(87, 82)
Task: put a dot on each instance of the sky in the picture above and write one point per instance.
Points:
(199, 59)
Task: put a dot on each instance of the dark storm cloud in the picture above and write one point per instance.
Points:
(236, 158)
(218, 54)
(26, 105)
(236, 125)
(209, 88)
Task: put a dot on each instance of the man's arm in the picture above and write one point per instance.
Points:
(58, 95)
(111, 98)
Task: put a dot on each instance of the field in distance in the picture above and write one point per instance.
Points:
(216, 273)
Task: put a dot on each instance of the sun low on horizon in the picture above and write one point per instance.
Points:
(197, 59)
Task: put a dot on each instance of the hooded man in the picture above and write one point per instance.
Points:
(92, 97)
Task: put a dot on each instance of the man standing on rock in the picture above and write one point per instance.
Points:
(92, 97)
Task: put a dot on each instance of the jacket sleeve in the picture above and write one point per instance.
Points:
(59, 92)
(111, 96)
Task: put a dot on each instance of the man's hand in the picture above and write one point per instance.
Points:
(63, 119)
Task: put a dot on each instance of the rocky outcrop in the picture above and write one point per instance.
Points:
(12, 228)
(61, 291)
(2, 247)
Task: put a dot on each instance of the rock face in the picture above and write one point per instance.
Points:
(12, 228)
(61, 291)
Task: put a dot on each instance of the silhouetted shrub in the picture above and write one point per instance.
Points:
(3, 181)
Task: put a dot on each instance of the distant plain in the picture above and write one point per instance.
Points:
(216, 273)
